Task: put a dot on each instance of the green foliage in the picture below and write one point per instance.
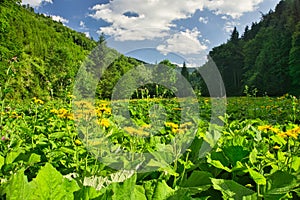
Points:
(232, 190)
(41, 154)
(294, 61)
(43, 54)
(265, 57)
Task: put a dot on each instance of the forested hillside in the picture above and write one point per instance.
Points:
(266, 56)
(38, 56)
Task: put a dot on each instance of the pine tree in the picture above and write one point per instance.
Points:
(234, 35)
(185, 72)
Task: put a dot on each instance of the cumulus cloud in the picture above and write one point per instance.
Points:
(59, 19)
(185, 43)
(204, 20)
(154, 18)
(35, 3)
(233, 8)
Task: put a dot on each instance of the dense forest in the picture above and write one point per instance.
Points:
(41, 57)
(38, 56)
(266, 57)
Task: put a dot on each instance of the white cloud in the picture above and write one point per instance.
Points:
(59, 19)
(207, 41)
(224, 18)
(87, 34)
(35, 3)
(82, 24)
(233, 8)
(204, 20)
(229, 26)
(154, 21)
(154, 17)
(185, 43)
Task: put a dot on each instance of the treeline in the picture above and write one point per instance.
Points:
(40, 57)
(266, 56)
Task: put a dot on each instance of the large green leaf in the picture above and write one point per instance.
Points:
(11, 156)
(18, 187)
(162, 191)
(217, 164)
(296, 163)
(139, 193)
(34, 158)
(128, 190)
(253, 156)
(235, 153)
(280, 183)
(197, 182)
(257, 177)
(163, 166)
(86, 193)
(182, 194)
(232, 190)
(50, 184)
(149, 188)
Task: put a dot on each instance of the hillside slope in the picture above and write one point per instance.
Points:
(266, 56)
(42, 55)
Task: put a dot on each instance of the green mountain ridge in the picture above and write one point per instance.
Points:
(266, 57)
(40, 57)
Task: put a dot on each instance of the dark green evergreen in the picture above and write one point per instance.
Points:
(184, 71)
(266, 56)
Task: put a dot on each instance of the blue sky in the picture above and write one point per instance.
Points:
(153, 30)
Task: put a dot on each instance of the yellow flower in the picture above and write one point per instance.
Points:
(54, 111)
(186, 125)
(249, 185)
(134, 131)
(62, 111)
(276, 147)
(105, 123)
(71, 96)
(264, 127)
(38, 101)
(282, 134)
(275, 130)
(69, 116)
(145, 126)
(174, 127)
(171, 125)
(290, 133)
(78, 142)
